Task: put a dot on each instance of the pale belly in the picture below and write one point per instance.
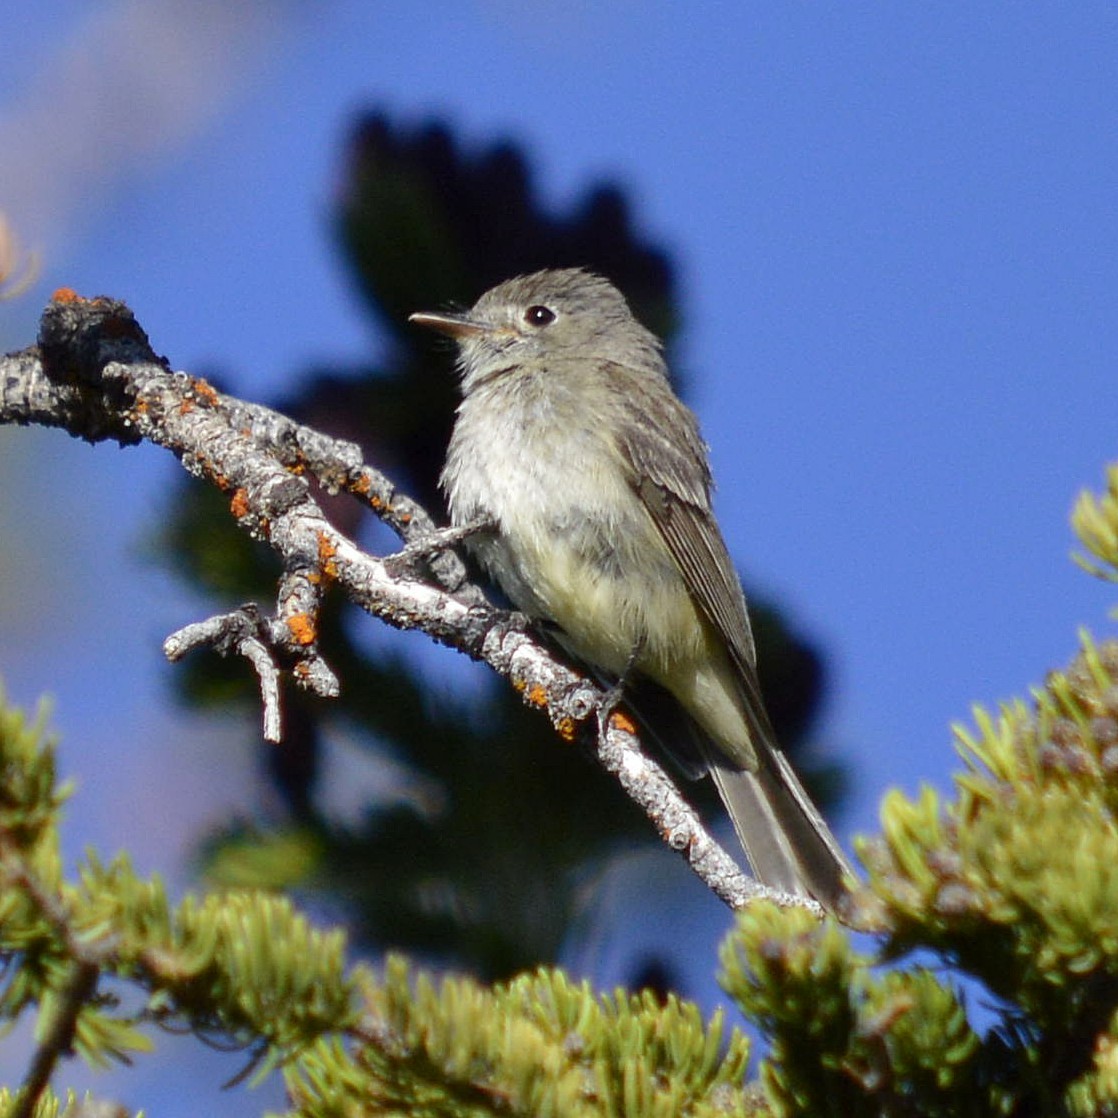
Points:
(613, 601)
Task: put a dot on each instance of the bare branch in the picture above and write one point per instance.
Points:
(94, 374)
(242, 633)
(337, 465)
(678, 824)
(437, 542)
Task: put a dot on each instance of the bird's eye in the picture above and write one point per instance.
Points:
(539, 315)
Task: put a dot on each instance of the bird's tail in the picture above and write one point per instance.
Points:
(787, 841)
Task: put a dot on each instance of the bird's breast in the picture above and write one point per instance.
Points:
(574, 544)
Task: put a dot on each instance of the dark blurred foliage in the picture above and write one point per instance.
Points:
(497, 824)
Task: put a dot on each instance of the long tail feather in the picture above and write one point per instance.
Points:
(785, 838)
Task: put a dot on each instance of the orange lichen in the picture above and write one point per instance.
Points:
(66, 295)
(239, 504)
(326, 552)
(536, 696)
(567, 728)
(302, 628)
(622, 721)
(204, 391)
(362, 486)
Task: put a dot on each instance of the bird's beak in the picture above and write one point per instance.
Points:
(456, 325)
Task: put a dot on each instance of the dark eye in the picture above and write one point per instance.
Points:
(539, 315)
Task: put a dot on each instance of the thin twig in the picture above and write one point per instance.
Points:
(87, 960)
(239, 633)
(58, 1039)
(437, 542)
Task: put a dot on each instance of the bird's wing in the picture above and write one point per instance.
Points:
(785, 837)
(667, 457)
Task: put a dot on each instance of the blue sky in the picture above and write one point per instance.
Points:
(898, 246)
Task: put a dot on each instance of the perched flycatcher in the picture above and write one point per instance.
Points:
(571, 442)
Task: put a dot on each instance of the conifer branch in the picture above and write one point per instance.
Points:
(87, 958)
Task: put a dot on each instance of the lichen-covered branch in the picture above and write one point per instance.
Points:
(95, 375)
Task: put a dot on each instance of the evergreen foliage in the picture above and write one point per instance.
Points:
(989, 985)
(1095, 519)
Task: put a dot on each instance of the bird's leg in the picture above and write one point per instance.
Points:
(612, 698)
(442, 539)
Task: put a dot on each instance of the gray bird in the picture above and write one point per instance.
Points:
(571, 442)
